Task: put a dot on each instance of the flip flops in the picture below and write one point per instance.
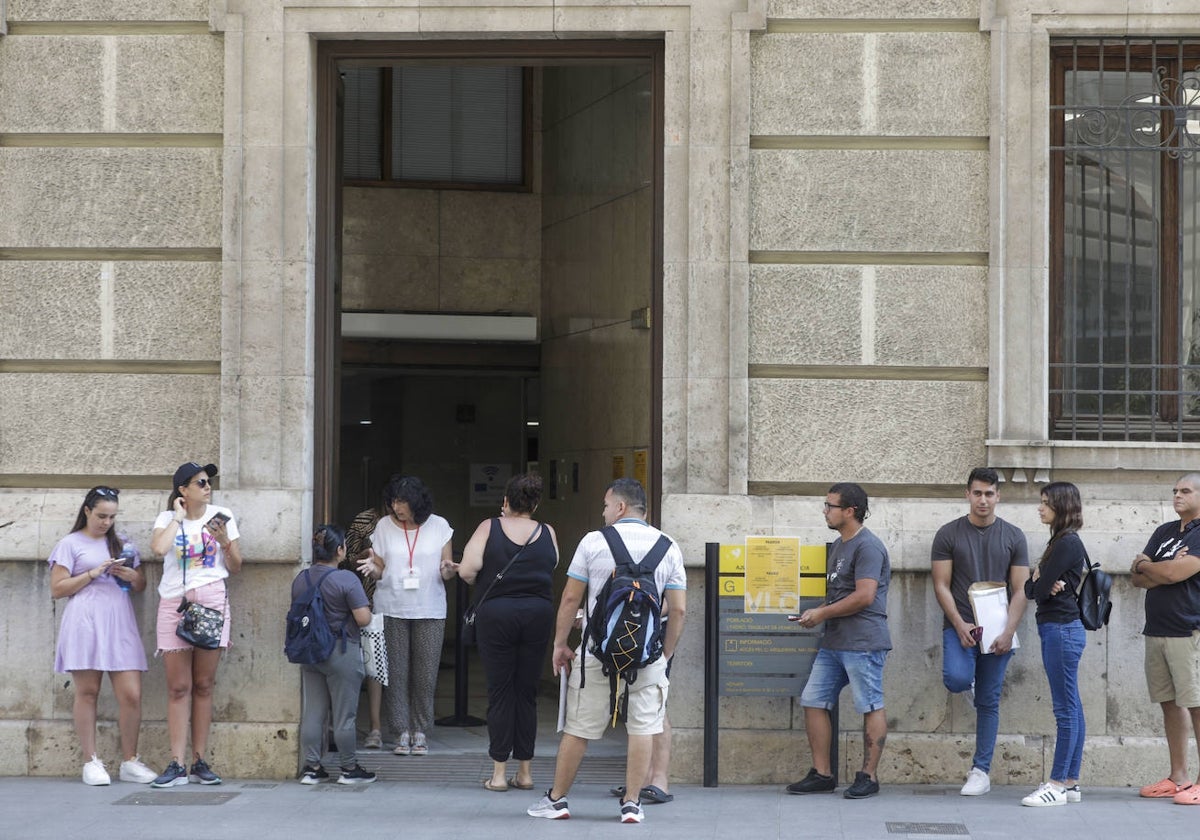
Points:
(656, 795)
(487, 785)
(514, 783)
(1163, 789)
(650, 794)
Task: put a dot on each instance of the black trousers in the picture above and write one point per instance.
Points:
(512, 634)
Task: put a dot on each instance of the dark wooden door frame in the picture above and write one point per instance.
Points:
(327, 332)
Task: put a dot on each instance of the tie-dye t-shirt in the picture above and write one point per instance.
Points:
(198, 548)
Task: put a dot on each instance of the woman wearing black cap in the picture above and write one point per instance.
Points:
(199, 546)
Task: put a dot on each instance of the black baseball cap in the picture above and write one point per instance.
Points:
(188, 471)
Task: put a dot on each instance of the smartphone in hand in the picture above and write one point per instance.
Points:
(222, 518)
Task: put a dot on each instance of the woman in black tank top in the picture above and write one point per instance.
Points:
(511, 560)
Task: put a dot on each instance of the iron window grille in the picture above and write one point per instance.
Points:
(1125, 240)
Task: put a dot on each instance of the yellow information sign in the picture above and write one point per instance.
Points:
(772, 574)
(812, 571)
(618, 466)
(731, 569)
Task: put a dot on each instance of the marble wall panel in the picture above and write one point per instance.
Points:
(805, 314)
(71, 197)
(51, 310)
(50, 423)
(865, 430)
(390, 221)
(67, 75)
(70, 10)
(489, 285)
(170, 83)
(481, 224)
(933, 83)
(383, 282)
(931, 315)
(868, 200)
(810, 83)
(160, 310)
(167, 310)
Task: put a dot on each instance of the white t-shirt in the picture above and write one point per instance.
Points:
(593, 561)
(392, 543)
(205, 559)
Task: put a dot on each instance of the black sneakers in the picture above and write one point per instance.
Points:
(356, 775)
(313, 775)
(814, 782)
(203, 774)
(863, 787)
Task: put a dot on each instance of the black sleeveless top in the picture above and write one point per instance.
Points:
(532, 576)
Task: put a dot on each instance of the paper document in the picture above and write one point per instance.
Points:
(562, 700)
(989, 603)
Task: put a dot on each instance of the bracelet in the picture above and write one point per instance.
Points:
(1138, 565)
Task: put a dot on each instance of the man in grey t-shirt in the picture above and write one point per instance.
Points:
(974, 548)
(854, 646)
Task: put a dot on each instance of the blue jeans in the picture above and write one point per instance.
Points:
(961, 666)
(833, 670)
(1062, 647)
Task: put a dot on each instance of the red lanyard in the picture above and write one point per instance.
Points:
(412, 547)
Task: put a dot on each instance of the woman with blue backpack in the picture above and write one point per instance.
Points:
(329, 686)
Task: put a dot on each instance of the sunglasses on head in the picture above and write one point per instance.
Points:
(107, 492)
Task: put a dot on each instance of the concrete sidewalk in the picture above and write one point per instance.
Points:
(54, 809)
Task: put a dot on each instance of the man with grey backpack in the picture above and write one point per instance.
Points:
(607, 674)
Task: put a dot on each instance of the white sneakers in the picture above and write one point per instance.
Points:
(95, 774)
(977, 783)
(131, 771)
(134, 771)
(1045, 796)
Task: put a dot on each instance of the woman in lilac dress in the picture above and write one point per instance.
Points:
(95, 569)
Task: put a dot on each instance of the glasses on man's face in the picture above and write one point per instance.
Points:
(107, 492)
(829, 507)
(202, 482)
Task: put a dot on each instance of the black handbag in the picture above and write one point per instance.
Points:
(468, 625)
(198, 625)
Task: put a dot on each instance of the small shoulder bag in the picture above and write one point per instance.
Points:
(199, 625)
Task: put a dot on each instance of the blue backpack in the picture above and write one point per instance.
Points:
(625, 628)
(308, 639)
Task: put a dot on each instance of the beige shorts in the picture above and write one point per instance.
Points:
(588, 714)
(1173, 669)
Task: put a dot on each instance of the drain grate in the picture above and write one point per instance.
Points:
(176, 798)
(260, 785)
(938, 828)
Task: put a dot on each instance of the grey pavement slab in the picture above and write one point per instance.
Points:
(36, 808)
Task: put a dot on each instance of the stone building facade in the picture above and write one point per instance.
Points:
(845, 213)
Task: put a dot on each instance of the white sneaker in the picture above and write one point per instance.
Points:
(1046, 795)
(977, 783)
(134, 771)
(95, 774)
(1074, 794)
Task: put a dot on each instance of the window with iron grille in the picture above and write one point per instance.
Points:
(434, 126)
(1125, 241)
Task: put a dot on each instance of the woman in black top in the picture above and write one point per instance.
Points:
(1053, 585)
(514, 622)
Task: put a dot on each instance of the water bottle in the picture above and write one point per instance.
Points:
(128, 553)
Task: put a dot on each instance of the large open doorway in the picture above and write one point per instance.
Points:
(489, 274)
